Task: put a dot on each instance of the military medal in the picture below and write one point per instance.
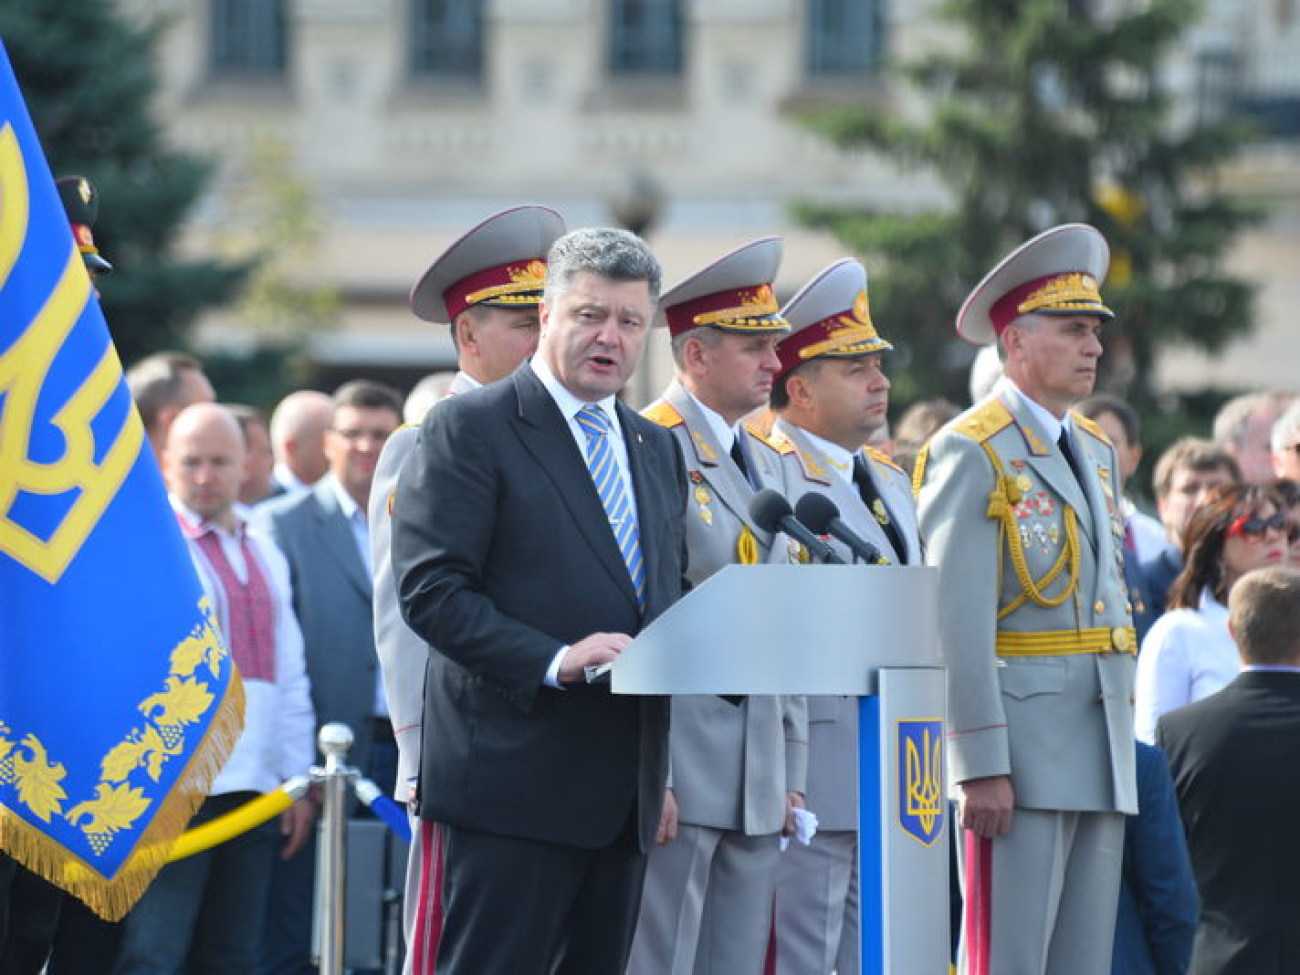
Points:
(878, 509)
(1023, 482)
(702, 498)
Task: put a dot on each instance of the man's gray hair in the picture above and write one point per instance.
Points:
(608, 251)
(1286, 431)
(710, 336)
(1233, 417)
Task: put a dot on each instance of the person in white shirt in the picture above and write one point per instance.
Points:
(1189, 653)
(205, 912)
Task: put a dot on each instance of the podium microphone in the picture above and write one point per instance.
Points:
(773, 513)
(822, 515)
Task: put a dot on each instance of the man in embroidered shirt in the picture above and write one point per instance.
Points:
(206, 911)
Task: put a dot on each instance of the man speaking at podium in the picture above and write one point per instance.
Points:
(537, 527)
(1019, 506)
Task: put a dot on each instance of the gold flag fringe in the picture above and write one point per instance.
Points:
(112, 897)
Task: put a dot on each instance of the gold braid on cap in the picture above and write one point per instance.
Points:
(523, 281)
(1065, 292)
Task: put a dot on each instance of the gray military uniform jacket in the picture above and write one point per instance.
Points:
(1035, 625)
(732, 764)
(833, 719)
(403, 656)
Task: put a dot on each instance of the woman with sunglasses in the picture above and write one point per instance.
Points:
(1289, 497)
(1189, 653)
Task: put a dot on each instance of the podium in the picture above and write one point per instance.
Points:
(865, 631)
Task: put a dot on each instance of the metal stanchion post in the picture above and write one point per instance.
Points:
(334, 740)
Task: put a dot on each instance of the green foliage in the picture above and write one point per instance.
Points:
(1048, 113)
(87, 77)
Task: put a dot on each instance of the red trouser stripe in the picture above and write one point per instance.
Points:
(979, 902)
(428, 912)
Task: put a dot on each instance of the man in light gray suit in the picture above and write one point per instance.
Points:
(324, 535)
(831, 396)
(1019, 507)
(737, 762)
(486, 285)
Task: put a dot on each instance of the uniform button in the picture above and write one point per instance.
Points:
(1099, 607)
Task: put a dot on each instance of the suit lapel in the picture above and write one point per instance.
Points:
(896, 508)
(544, 433)
(715, 463)
(337, 536)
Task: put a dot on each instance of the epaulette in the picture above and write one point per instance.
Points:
(664, 414)
(761, 424)
(1084, 423)
(774, 440)
(983, 422)
(880, 457)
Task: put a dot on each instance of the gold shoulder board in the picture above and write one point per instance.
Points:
(983, 422)
(880, 457)
(1086, 424)
(663, 413)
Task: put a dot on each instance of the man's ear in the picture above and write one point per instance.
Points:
(465, 339)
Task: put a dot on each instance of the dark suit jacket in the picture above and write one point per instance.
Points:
(1158, 574)
(503, 553)
(332, 600)
(1235, 757)
(1158, 905)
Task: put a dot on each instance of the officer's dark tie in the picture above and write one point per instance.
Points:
(1063, 441)
(738, 455)
(871, 498)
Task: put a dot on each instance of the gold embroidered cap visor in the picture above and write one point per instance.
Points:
(500, 263)
(733, 294)
(1059, 272)
(830, 317)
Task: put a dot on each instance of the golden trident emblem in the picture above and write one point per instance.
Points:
(922, 774)
(88, 473)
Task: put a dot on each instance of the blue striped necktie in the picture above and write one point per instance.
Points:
(608, 478)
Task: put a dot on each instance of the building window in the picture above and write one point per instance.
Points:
(845, 37)
(645, 38)
(447, 39)
(248, 38)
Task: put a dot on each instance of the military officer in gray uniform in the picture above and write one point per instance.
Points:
(737, 763)
(487, 286)
(830, 397)
(1019, 509)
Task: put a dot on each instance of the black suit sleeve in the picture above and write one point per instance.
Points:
(444, 531)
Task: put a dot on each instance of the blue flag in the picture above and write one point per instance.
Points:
(118, 699)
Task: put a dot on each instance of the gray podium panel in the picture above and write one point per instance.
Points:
(787, 629)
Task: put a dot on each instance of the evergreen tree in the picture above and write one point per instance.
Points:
(87, 76)
(1050, 112)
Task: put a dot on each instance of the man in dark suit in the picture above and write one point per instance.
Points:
(537, 526)
(1235, 757)
(324, 535)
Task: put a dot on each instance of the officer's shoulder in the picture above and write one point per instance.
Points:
(882, 458)
(773, 440)
(1084, 423)
(663, 413)
(982, 421)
